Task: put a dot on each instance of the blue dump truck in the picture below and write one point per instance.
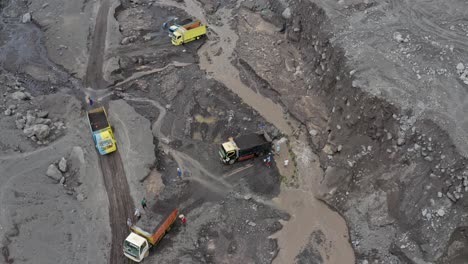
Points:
(102, 131)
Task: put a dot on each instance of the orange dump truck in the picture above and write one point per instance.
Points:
(137, 244)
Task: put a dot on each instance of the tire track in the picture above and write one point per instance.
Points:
(120, 201)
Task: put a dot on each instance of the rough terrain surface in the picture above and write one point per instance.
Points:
(364, 100)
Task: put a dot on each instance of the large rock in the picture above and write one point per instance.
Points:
(29, 131)
(63, 165)
(19, 95)
(42, 114)
(41, 131)
(53, 172)
(26, 18)
(286, 13)
(20, 123)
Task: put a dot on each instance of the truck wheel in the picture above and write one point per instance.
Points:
(232, 162)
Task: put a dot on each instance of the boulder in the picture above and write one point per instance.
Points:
(41, 131)
(29, 131)
(19, 96)
(42, 114)
(63, 165)
(26, 18)
(286, 13)
(54, 173)
(8, 112)
(20, 123)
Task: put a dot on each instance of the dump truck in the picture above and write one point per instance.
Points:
(102, 131)
(137, 245)
(183, 35)
(245, 147)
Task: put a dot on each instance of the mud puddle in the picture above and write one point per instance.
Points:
(310, 217)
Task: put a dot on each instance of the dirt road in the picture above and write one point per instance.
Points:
(120, 203)
(96, 55)
(118, 192)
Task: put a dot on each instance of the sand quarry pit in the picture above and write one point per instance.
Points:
(364, 99)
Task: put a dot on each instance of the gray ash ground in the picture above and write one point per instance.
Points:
(201, 113)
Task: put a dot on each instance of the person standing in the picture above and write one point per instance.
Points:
(137, 213)
(268, 161)
(89, 100)
(179, 173)
(182, 218)
(143, 203)
(129, 222)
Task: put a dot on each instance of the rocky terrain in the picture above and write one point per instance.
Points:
(364, 99)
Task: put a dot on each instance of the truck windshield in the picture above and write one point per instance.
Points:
(222, 152)
(105, 144)
(131, 249)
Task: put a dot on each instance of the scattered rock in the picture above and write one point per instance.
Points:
(20, 123)
(19, 96)
(80, 197)
(53, 172)
(286, 13)
(399, 37)
(63, 165)
(252, 223)
(128, 40)
(313, 132)
(428, 158)
(62, 180)
(29, 131)
(439, 194)
(41, 131)
(328, 149)
(26, 18)
(42, 114)
(441, 212)
(460, 67)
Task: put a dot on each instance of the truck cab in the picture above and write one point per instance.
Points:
(136, 247)
(229, 152)
(105, 142)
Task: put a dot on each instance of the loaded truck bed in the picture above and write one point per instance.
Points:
(153, 227)
(251, 140)
(97, 120)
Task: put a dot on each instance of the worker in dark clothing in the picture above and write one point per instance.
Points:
(89, 100)
(143, 203)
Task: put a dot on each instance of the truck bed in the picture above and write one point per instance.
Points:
(250, 140)
(97, 120)
(151, 223)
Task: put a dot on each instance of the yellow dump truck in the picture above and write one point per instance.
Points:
(102, 131)
(183, 35)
